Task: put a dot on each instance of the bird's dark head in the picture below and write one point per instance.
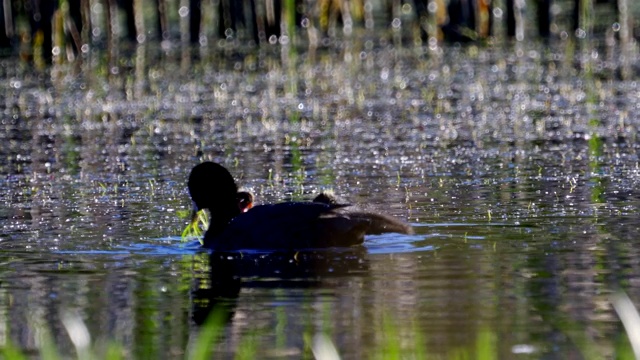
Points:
(212, 187)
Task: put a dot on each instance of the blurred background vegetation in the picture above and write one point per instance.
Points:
(48, 31)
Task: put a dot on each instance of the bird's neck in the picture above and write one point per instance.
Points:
(220, 219)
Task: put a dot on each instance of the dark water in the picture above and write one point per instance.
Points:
(517, 166)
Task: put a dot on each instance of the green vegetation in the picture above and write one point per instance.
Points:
(198, 224)
(396, 340)
(394, 345)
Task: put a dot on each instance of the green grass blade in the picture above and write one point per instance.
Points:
(207, 337)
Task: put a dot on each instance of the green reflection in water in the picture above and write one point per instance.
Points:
(398, 340)
(146, 321)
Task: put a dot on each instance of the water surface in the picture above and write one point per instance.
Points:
(517, 167)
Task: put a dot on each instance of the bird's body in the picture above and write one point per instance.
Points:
(289, 226)
(282, 226)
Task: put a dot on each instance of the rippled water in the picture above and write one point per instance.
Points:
(518, 168)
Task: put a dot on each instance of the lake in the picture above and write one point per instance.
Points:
(516, 164)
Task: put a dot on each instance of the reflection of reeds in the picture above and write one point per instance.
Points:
(397, 342)
(79, 335)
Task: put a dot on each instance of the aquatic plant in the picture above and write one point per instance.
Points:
(198, 223)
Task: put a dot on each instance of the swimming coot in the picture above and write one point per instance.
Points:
(236, 224)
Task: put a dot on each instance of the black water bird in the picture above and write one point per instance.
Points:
(236, 225)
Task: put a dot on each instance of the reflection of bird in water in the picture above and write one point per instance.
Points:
(236, 225)
(231, 271)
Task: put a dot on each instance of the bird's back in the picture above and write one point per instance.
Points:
(290, 226)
